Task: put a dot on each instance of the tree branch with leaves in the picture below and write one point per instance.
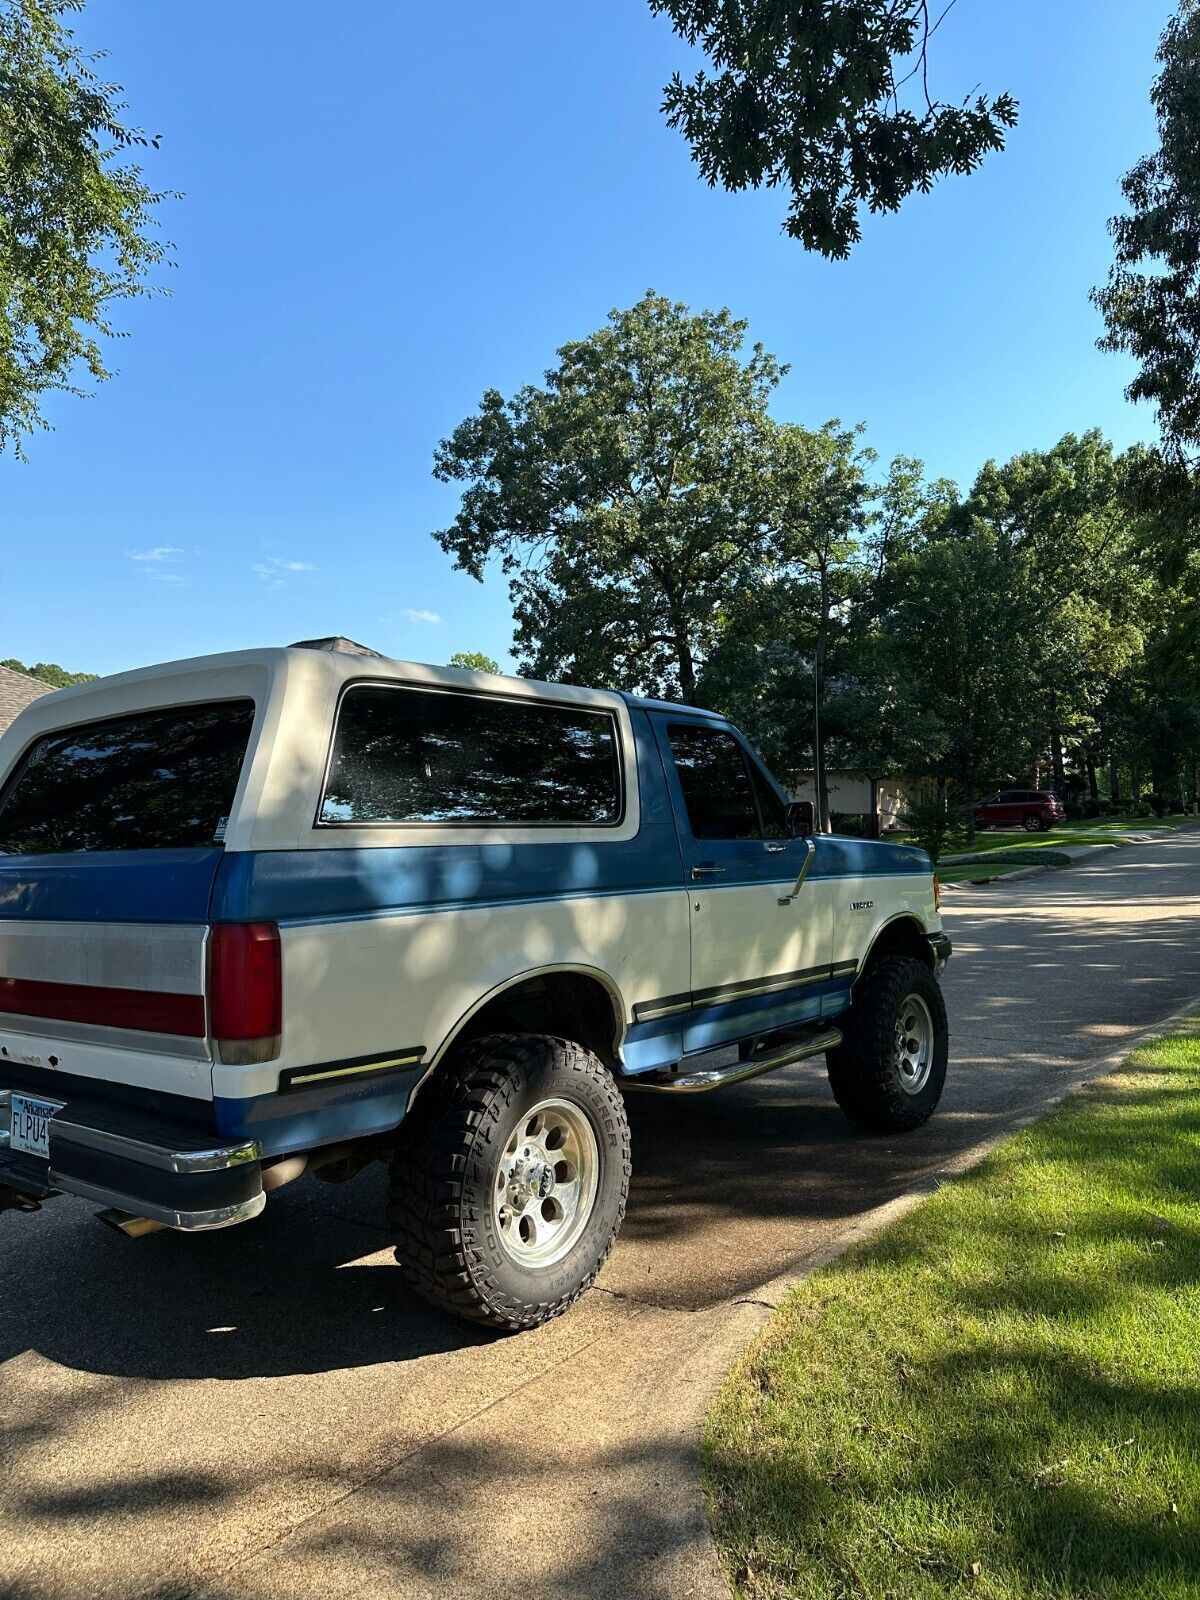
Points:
(76, 216)
(807, 95)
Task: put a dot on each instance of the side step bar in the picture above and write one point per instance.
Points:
(737, 1071)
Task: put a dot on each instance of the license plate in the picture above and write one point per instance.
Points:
(31, 1124)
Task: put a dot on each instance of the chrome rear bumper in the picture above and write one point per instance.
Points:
(161, 1172)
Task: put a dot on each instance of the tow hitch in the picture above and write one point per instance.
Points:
(17, 1200)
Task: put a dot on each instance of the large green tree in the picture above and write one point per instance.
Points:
(1151, 302)
(622, 496)
(829, 99)
(769, 666)
(76, 233)
(953, 652)
(1058, 518)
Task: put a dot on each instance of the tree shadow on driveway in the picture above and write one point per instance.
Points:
(307, 1287)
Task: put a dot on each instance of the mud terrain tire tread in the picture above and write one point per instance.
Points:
(862, 1070)
(450, 1131)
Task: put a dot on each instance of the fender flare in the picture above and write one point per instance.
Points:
(575, 968)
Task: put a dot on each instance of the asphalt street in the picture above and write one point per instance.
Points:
(268, 1412)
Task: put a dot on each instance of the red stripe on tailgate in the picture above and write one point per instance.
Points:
(146, 1010)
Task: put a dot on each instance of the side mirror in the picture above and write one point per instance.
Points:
(801, 822)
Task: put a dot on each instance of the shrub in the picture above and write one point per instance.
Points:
(937, 821)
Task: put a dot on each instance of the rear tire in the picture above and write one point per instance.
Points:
(510, 1179)
(1033, 824)
(888, 1073)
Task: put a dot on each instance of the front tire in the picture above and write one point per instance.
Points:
(888, 1073)
(510, 1179)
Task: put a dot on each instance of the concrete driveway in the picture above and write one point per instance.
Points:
(267, 1412)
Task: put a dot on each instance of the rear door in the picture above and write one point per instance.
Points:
(110, 838)
(756, 963)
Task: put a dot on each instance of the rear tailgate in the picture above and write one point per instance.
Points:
(102, 966)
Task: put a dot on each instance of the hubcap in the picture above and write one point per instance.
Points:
(914, 1044)
(546, 1183)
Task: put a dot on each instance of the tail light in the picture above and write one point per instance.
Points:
(245, 991)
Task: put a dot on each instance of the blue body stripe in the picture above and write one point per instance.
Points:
(321, 885)
(329, 884)
(649, 1045)
(110, 886)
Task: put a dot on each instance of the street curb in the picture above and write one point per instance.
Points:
(1036, 871)
(979, 858)
(767, 1298)
(1017, 874)
(1118, 842)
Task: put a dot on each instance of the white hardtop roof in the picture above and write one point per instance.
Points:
(295, 690)
(302, 661)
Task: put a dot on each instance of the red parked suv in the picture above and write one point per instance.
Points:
(1032, 809)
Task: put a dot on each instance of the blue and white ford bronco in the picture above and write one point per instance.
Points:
(296, 910)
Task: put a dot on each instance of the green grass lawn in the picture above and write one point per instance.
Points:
(1000, 1396)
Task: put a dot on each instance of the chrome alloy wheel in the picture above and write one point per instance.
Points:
(914, 1043)
(546, 1185)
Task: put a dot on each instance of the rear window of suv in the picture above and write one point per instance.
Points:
(154, 780)
(435, 756)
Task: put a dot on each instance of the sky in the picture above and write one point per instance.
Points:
(388, 207)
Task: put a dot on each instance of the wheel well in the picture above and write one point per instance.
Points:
(902, 937)
(567, 1005)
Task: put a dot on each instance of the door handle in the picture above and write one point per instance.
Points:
(786, 899)
(705, 869)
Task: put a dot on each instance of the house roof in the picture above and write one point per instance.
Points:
(17, 689)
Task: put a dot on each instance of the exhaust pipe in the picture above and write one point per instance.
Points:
(123, 1222)
(285, 1171)
(288, 1168)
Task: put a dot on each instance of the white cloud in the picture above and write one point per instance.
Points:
(421, 616)
(273, 568)
(159, 563)
(160, 553)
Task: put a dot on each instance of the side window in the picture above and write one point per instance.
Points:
(715, 783)
(770, 807)
(430, 756)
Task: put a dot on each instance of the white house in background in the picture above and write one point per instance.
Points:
(863, 794)
(17, 689)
